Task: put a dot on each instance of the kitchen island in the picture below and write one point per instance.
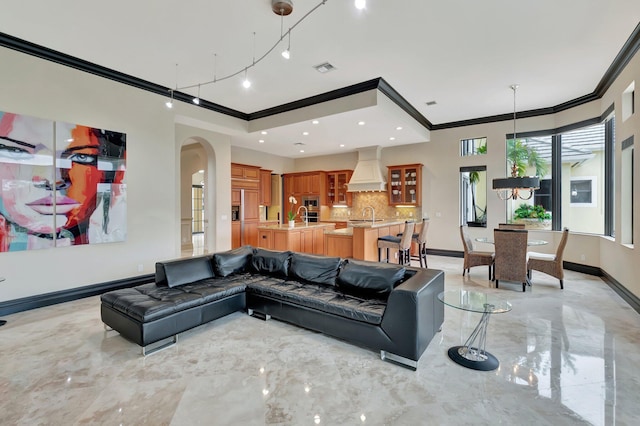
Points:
(307, 238)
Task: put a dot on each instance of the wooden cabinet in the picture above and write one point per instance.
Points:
(243, 171)
(308, 183)
(405, 185)
(251, 205)
(235, 234)
(265, 187)
(251, 234)
(235, 197)
(265, 239)
(300, 239)
(337, 188)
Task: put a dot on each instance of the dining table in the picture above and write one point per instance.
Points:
(530, 243)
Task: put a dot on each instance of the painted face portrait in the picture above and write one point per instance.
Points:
(92, 168)
(26, 173)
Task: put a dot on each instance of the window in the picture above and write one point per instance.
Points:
(475, 146)
(473, 196)
(626, 192)
(583, 192)
(197, 209)
(576, 170)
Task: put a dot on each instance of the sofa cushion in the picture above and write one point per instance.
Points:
(314, 269)
(320, 297)
(270, 262)
(183, 271)
(232, 261)
(368, 278)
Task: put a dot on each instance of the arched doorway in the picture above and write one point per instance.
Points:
(195, 205)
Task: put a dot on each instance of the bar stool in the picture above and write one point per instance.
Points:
(401, 244)
(421, 240)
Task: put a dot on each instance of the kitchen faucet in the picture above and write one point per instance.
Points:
(306, 214)
(373, 213)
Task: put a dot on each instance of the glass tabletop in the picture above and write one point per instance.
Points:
(474, 301)
(529, 242)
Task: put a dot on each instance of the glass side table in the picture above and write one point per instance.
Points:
(473, 354)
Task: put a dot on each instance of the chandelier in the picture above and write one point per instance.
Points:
(514, 186)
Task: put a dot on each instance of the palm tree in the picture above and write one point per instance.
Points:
(520, 156)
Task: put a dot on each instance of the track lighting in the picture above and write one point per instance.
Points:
(196, 100)
(246, 83)
(169, 103)
(287, 52)
(279, 7)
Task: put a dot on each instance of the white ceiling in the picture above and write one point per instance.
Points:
(463, 55)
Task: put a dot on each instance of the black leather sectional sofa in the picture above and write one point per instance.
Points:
(388, 308)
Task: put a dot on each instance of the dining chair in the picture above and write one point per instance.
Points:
(511, 226)
(420, 239)
(401, 244)
(550, 264)
(511, 256)
(472, 257)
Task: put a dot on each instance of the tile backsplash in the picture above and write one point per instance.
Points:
(379, 201)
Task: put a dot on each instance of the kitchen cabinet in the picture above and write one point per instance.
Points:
(235, 234)
(243, 171)
(265, 187)
(307, 183)
(337, 188)
(251, 205)
(301, 239)
(235, 197)
(265, 239)
(405, 185)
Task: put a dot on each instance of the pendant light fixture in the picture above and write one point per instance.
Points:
(512, 187)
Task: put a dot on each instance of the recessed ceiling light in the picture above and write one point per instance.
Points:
(315, 122)
(399, 128)
(263, 132)
(341, 145)
(430, 103)
(361, 123)
(302, 150)
(305, 133)
(200, 171)
(261, 141)
(392, 138)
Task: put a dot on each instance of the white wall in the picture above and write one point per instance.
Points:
(155, 136)
(43, 89)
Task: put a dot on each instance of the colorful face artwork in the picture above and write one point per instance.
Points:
(61, 184)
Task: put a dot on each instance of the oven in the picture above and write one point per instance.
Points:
(311, 202)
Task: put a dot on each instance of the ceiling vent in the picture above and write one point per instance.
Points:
(324, 68)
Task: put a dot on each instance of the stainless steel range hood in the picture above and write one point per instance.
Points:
(368, 175)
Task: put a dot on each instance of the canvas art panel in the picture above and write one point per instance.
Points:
(62, 184)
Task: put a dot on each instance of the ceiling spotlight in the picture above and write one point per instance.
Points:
(361, 123)
(261, 141)
(264, 132)
(399, 128)
(315, 122)
(305, 133)
(341, 145)
(196, 100)
(169, 103)
(361, 4)
(302, 150)
(392, 138)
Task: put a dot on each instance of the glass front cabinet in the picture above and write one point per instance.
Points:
(405, 185)
(337, 194)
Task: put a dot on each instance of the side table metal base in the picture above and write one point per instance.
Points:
(473, 358)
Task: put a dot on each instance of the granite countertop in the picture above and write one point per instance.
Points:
(299, 225)
(343, 231)
(377, 223)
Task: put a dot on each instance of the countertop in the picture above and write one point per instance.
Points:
(377, 223)
(299, 225)
(343, 231)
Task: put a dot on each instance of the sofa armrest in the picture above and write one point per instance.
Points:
(414, 314)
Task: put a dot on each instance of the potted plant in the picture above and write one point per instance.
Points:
(532, 216)
(291, 216)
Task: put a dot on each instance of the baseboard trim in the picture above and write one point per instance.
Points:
(38, 301)
(585, 269)
(32, 302)
(447, 253)
(622, 291)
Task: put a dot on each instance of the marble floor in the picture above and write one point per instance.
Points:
(567, 357)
